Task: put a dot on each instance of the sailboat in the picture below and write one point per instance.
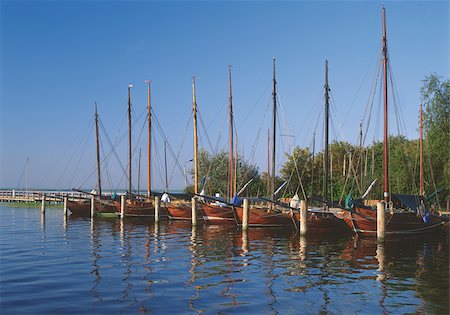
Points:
(181, 209)
(101, 203)
(269, 216)
(324, 220)
(363, 219)
(138, 206)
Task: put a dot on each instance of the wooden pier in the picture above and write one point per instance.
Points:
(36, 195)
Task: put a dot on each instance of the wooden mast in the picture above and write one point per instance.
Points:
(129, 138)
(268, 162)
(421, 154)
(149, 140)
(165, 165)
(312, 162)
(386, 194)
(194, 109)
(97, 145)
(274, 113)
(326, 160)
(231, 173)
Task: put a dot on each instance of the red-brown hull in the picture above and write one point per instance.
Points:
(81, 208)
(363, 220)
(323, 222)
(182, 211)
(105, 207)
(136, 208)
(260, 217)
(218, 214)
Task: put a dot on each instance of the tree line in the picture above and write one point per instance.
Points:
(352, 168)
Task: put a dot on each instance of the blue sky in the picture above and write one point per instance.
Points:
(58, 57)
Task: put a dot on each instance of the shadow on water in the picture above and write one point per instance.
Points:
(136, 266)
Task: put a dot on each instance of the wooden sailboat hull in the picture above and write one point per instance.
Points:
(182, 211)
(323, 222)
(105, 207)
(261, 217)
(216, 214)
(80, 208)
(83, 207)
(363, 220)
(138, 208)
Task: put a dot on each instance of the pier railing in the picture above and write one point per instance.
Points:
(36, 195)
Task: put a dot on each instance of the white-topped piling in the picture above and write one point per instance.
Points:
(303, 224)
(43, 204)
(380, 221)
(157, 205)
(92, 206)
(122, 207)
(245, 215)
(65, 205)
(194, 211)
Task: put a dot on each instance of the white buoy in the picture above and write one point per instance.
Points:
(245, 215)
(194, 211)
(303, 210)
(380, 222)
(157, 205)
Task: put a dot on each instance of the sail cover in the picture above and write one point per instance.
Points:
(410, 201)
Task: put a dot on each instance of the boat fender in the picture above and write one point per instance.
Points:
(426, 218)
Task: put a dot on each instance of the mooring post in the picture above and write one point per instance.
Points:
(380, 222)
(303, 210)
(122, 207)
(157, 205)
(65, 205)
(194, 211)
(92, 206)
(43, 204)
(245, 215)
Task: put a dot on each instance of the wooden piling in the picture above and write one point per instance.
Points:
(65, 206)
(122, 207)
(92, 206)
(43, 204)
(380, 222)
(194, 211)
(157, 205)
(303, 215)
(245, 215)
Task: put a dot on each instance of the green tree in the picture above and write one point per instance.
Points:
(215, 168)
(436, 101)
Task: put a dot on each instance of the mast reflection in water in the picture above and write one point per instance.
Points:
(79, 266)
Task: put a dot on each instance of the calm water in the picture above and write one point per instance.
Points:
(53, 265)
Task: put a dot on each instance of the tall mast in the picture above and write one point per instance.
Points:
(327, 109)
(27, 175)
(361, 153)
(139, 173)
(421, 153)
(194, 109)
(274, 113)
(231, 173)
(97, 145)
(129, 138)
(165, 165)
(385, 102)
(312, 162)
(268, 162)
(149, 140)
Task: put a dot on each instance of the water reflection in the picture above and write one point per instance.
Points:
(175, 267)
